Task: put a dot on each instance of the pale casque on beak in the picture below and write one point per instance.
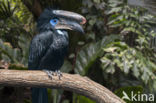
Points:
(69, 20)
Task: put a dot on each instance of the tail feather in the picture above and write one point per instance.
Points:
(39, 95)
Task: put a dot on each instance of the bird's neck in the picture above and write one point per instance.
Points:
(60, 39)
(60, 32)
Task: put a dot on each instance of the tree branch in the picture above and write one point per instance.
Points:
(74, 83)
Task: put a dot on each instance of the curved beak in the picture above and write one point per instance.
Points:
(69, 20)
(70, 25)
(70, 15)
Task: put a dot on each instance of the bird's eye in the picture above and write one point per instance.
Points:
(53, 22)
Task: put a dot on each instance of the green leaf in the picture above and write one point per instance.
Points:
(8, 51)
(131, 29)
(88, 54)
(67, 67)
(107, 65)
(96, 1)
(81, 99)
(66, 101)
(136, 70)
(114, 10)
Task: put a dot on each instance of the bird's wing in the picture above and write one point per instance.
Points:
(38, 48)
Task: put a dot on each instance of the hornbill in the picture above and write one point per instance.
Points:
(49, 46)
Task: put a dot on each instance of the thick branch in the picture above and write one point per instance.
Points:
(75, 83)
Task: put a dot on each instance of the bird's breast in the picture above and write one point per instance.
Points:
(60, 43)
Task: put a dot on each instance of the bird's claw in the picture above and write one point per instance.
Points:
(49, 73)
(58, 73)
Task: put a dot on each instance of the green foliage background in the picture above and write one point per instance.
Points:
(118, 50)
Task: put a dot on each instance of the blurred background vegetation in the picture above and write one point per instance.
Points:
(118, 50)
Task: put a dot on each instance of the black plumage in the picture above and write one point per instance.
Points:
(48, 48)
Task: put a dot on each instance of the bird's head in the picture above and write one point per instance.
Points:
(60, 20)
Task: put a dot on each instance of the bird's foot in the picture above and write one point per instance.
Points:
(58, 73)
(49, 73)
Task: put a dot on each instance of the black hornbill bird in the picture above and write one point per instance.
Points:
(49, 46)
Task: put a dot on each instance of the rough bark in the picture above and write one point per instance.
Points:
(74, 83)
